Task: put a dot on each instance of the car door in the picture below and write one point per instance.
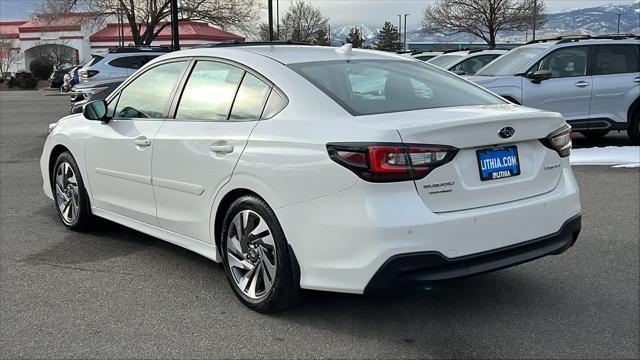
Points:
(195, 153)
(616, 83)
(119, 151)
(568, 91)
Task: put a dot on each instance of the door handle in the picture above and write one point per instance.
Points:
(582, 84)
(636, 79)
(221, 148)
(142, 142)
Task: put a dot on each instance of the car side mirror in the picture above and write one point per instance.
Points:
(540, 75)
(459, 72)
(96, 110)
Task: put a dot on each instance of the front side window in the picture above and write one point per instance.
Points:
(150, 94)
(210, 91)
(566, 62)
(364, 87)
(615, 59)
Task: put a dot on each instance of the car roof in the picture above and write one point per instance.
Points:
(291, 54)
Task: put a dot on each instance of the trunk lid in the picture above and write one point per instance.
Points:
(457, 185)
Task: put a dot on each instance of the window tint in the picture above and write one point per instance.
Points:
(209, 92)
(149, 95)
(129, 62)
(615, 59)
(472, 65)
(250, 99)
(366, 87)
(566, 62)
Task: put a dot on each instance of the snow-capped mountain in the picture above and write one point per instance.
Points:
(594, 20)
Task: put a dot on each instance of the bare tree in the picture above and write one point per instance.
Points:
(147, 18)
(482, 18)
(55, 54)
(9, 56)
(302, 22)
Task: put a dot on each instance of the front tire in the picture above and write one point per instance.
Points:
(70, 196)
(256, 257)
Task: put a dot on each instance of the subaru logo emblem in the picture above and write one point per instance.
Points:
(506, 132)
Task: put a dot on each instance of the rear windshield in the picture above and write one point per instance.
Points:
(511, 62)
(94, 60)
(366, 87)
(443, 61)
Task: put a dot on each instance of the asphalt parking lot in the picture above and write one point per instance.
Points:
(117, 293)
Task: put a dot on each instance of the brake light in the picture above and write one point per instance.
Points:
(560, 141)
(89, 73)
(390, 162)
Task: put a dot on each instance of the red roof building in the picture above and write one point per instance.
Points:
(81, 36)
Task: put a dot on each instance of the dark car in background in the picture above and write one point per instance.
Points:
(92, 90)
(57, 77)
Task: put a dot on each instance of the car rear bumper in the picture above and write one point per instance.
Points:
(341, 241)
(422, 268)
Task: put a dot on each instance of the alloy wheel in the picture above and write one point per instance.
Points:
(67, 193)
(251, 254)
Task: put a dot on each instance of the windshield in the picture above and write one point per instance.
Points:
(365, 87)
(510, 63)
(443, 61)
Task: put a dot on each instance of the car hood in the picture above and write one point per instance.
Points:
(93, 84)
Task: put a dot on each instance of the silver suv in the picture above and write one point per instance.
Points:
(119, 62)
(593, 81)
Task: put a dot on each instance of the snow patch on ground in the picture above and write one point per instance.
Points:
(617, 156)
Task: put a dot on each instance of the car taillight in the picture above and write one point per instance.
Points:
(560, 141)
(390, 162)
(89, 73)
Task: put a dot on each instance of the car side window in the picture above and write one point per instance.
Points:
(250, 99)
(565, 62)
(129, 62)
(615, 59)
(209, 92)
(472, 65)
(150, 94)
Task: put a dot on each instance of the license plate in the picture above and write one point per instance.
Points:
(499, 162)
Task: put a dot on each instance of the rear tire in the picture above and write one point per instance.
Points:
(594, 134)
(69, 194)
(256, 257)
(633, 131)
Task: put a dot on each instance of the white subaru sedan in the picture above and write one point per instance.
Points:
(303, 167)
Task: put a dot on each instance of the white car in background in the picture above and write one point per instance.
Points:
(594, 82)
(466, 62)
(118, 62)
(422, 55)
(309, 167)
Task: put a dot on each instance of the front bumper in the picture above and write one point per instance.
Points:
(422, 268)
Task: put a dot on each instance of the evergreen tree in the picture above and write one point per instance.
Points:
(355, 38)
(388, 38)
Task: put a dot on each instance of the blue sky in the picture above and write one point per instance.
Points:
(340, 12)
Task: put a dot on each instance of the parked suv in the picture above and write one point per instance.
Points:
(119, 62)
(593, 81)
(466, 62)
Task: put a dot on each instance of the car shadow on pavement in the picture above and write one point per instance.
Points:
(614, 138)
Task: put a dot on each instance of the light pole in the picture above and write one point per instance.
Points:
(404, 47)
(278, 19)
(399, 28)
(270, 8)
(175, 36)
(619, 23)
(535, 16)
